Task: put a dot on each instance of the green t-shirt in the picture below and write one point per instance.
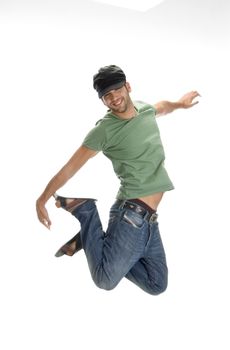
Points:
(135, 149)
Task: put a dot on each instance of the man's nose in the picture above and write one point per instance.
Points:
(114, 95)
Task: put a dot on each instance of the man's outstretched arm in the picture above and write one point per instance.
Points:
(78, 159)
(186, 101)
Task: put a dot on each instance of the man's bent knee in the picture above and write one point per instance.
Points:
(156, 289)
(106, 285)
(103, 281)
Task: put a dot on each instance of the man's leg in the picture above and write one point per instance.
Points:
(151, 273)
(111, 255)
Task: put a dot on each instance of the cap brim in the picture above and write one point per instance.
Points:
(111, 87)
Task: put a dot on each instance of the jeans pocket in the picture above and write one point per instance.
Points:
(133, 219)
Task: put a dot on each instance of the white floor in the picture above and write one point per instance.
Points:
(48, 56)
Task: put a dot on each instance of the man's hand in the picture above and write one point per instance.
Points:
(42, 213)
(187, 99)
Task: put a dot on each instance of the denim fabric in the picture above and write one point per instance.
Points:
(131, 247)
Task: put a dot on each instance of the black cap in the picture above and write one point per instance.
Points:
(108, 78)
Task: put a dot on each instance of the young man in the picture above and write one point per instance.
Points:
(129, 136)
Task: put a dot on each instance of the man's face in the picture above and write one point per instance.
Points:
(118, 100)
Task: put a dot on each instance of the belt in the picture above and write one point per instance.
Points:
(150, 216)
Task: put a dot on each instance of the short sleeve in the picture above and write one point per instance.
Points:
(95, 139)
(143, 106)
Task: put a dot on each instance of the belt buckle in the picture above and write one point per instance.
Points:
(153, 217)
(137, 208)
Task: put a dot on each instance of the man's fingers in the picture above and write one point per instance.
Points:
(46, 223)
(196, 94)
(194, 103)
(44, 220)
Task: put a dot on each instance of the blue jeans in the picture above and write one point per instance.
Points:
(131, 247)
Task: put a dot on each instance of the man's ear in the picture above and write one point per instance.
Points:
(128, 87)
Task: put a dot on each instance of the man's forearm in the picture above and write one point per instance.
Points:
(55, 183)
(79, 158)
(165, 107)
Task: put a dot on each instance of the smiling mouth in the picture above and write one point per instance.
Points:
(117, 103)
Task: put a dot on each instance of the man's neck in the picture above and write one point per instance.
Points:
(129, 114)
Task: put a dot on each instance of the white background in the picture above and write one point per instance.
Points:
(49, 53)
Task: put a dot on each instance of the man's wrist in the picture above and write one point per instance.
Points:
(42, 200)
(179, 104)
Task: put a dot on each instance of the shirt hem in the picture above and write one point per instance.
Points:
(90, 147)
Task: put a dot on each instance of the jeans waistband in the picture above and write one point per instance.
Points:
(146, 212)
